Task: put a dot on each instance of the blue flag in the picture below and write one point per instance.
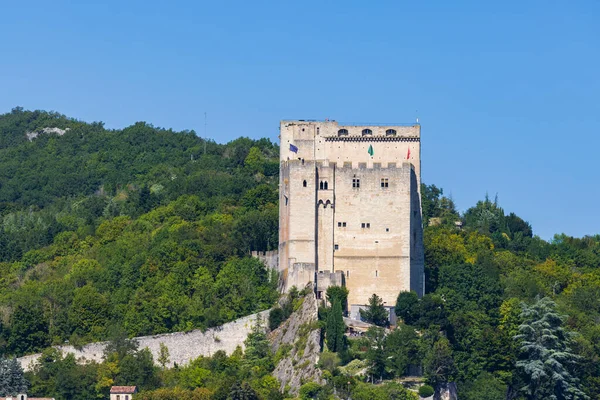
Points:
(293, 148)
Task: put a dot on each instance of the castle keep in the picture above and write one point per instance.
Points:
(350, 209)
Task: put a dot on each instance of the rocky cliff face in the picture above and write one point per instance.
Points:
(297, 345)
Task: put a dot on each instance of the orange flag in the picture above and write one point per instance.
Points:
(408, 154)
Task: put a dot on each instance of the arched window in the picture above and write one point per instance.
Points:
(325, 185)
(390, 132)
(321, 185)
(304, 184)
(343, 132)
(367, 132)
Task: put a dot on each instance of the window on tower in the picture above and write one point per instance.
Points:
(343, 132)
(390, 132)
(304, 184)
(367, 132)
(385, 182)
(355, 183)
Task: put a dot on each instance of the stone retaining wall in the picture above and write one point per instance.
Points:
(183, 346)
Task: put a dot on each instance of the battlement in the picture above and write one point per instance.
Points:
(346, 165)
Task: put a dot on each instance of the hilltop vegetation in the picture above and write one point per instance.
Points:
(140, 231)
(137, 228)
(507, 315)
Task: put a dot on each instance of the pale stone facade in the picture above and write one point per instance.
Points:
(350, 208)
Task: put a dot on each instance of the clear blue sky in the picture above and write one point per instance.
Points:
(508, 93)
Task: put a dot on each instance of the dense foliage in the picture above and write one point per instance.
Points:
(12, 379)
(148, 230)
(218, 377)
(506, 315)
(142, 228)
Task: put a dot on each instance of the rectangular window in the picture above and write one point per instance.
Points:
(339, 224)
(336, 247)
(376, 273)
(356, 183)
(362, 225)
(344, 224)
(385, 183)
(387, 229)
(368, 225)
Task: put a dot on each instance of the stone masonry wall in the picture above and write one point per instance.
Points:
(269, 258)
(183, 346)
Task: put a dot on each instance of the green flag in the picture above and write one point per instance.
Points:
(371, 152)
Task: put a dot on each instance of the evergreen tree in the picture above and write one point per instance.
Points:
(340, 293)
(242, 392)
(258, 351)
(375, 313)
(12, 381)
(376, 355)
(438, 363)
(335, 328)
(546, 359)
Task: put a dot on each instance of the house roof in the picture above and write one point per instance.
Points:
(123, 389)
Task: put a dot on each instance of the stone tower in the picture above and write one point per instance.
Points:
(350, 209)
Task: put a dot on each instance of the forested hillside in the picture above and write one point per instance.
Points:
(140, 231)
(142, 228)
(506, 314)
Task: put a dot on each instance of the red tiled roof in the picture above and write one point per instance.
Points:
(123, 389)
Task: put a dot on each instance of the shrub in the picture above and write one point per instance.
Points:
(310, 390)
(275, 318)
(426, 391)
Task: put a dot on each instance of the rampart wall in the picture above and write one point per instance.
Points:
(183, 346)
(269, 258)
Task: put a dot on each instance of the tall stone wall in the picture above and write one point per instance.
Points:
(183, 346)
(269, 258)
(373, 231)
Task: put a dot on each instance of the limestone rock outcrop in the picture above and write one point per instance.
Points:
(297, 345)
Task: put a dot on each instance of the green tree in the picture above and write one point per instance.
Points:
(163, 355)
(546, 358)
(376, 355)
(12, 380)
(339, 293)
(258, 350)
(375, 313)
(402, 350)
(242, 392)
(438, 363)
(407, 307)
(335, 329)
